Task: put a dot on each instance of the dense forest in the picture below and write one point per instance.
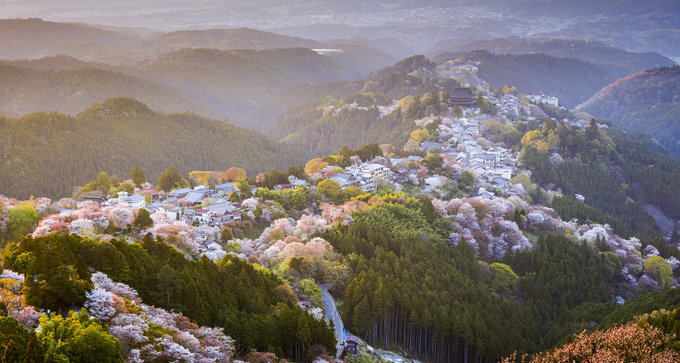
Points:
(112, 135)
(249, 303)
(411, 290)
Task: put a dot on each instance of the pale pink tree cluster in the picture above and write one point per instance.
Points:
(120, 216)
(341, 215)
(310, 224)
(12, 285)
(317, 247)
(42, 205)
(181, 340)
(633, 257)
(28, 316)
(66, 203)
(178, 234)
(103, 282)
(316, 312)
(546, 219)
(89, 220)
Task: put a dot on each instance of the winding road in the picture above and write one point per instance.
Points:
(332, 313)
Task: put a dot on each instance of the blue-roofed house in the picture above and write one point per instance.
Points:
(179, 193)
(195, 197)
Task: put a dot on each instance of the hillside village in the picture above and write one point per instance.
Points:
(459, 144)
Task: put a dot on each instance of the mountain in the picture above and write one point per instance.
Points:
(574, 83)
(235, 81)
(648, 102)
(69, 89)
(31, 38)
(612, 59)
(50, 153)
(240, 38)
(415, 63)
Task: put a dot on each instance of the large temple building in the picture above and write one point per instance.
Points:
(462, 97)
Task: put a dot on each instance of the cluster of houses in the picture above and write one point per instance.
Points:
(492, 165)
(201, 205)
(507, 105)
(548, 100)
(367, 176)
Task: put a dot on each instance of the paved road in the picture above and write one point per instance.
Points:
(332, 313)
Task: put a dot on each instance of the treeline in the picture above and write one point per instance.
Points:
(254, 306)
(48, 154)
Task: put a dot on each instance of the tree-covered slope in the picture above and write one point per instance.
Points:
(50, 153)
(648, 102)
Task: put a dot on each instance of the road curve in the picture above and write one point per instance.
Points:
(332, 313)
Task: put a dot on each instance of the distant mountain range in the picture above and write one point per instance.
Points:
(211, 82)
(111, 136)
(614, 60)
(70, 89)
(648, 102)
(35, 38)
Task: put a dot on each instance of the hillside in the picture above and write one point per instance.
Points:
(31, 38)
(69, 151)
(69, 89)
(648, 102)
(535, 73)
(235, 81)
(611, 59)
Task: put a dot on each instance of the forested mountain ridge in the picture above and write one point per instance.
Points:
(648, 102)
(111, 135)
